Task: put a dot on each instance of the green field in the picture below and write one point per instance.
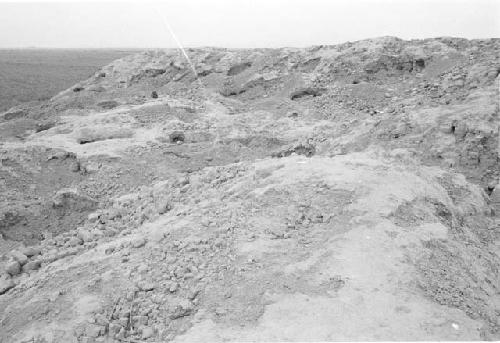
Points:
(38, 74)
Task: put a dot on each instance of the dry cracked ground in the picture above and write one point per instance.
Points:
(343, 192)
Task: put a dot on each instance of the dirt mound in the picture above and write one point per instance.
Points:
(345, 192)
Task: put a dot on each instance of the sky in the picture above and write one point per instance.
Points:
(239, 23)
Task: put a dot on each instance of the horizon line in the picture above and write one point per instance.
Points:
(223, 47)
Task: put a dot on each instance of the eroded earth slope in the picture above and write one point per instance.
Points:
(342, 192)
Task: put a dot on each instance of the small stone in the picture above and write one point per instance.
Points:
(147, 332)
(93, 330)
(109, 250)
(75, 241)
(79, 331)
(123, 321)
(19, 257)
(85, 235)
(31, 251)
(143, 268)
(114, 328)
(193, 293)
(32, 265)
(183, 309)
(173, 287)
(164, 207)
(139, 242)
(146, 286)
(93, 217)
(121, 335)
(5, 285)
(101, 320)
(139, 320)
(13, 268)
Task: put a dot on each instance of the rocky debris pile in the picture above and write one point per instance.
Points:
(306, 149)
(26, 260)
(181, 255)
(160, 205)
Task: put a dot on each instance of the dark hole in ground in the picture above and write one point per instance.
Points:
(232, 92)
(420, 63)
(489, 190)
(177, 136)
(307, 92)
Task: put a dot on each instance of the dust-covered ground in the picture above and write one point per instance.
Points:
(343, 192)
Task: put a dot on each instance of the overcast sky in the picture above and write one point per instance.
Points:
(240, 23)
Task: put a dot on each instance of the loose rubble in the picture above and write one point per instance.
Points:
(345, 192)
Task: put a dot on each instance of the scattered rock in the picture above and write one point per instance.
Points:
(69, 199)
(115, 328)
(6, 284)
(108, 104)
(238, 68)
(19, 257)
(31, 251)
(173, 287)
(13, 114)
(96, 88)
(138, 321)
(146, 286)
(74, 241)
(147, 332)
(94, 330)
(305, 149)
(13, 268)
(139, 242)
(183, 309)
(44, 126)
(31, 265)
(85, 235)
(204, 235)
